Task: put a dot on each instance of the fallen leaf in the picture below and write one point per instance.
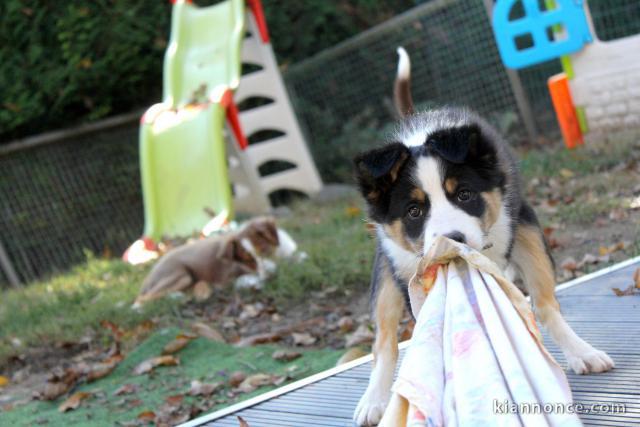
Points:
(73, 401)
(208, 332)
(250, 311)
(52, 391)
(353, 211)
(263, 338)
(126, 389)
(236, 378)
(566, 173)
(4, 381)
(147, 416)
(254, 381)
(203, 389)
(636, 278)
(149, 364)
(180, 342)
(115, 330)
(286, 355)
(630, 290)
(303, 338)
(569, 264)
(242, 422)
(175, 400)
(345, 324)
(100, 370)
(362, 335)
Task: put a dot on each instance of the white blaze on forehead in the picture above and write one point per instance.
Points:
(443, 216)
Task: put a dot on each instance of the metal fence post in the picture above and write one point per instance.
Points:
(524, 107)
(7, 267)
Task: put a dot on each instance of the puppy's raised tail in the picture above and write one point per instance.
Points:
(402, 86)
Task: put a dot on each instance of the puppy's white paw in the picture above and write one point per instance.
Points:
(371, 408)
(592, 360)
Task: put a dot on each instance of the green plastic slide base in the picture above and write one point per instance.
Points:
(184, 171)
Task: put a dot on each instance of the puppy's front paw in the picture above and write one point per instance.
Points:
(371, 408)
(592, 360)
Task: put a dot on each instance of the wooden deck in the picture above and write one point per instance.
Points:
(608, 322)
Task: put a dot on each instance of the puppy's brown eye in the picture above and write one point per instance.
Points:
(464, 195)
(414, 212)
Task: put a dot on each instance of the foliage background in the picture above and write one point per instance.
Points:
(63, 63)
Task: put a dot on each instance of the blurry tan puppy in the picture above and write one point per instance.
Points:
(216, 260)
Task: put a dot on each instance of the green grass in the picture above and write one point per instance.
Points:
(340, 250)
(591, 158)
(201, 360)
(69, 305)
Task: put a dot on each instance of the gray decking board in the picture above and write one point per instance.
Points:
(608, 322)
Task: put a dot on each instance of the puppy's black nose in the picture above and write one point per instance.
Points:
(457, 236)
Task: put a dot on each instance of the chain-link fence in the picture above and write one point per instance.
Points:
(61, 199)
(343, 95)
(65, 198)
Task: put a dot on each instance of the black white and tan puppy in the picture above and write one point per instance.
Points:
(450, 173)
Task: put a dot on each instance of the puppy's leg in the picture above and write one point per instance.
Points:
(389, 306)
(536, 269)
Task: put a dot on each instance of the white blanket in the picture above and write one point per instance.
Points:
(476, 357)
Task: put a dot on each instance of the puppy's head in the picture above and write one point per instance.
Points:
(442, 179)
(263, 234)
(240, 260)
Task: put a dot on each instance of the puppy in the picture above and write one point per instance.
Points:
(217, 259)
(450, 173)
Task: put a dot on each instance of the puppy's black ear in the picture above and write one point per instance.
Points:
(458, 144)
(377, 170)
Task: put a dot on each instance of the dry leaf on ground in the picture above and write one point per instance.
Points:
(630, 290)
(4, 381)
(203, 389)
(208, 332)
(149, 364)
(236, 378)
(100, 370)
(345, 324)
(569, 264)
(73, 401)
(126, 389)
(286, 355)
(303, 338)
(180, 342)
(263, 338)
(255, 381)
(147, 416)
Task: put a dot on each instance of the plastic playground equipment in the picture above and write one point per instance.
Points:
(183, 160)
(600, 87)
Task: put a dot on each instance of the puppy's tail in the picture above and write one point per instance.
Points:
(402, 85)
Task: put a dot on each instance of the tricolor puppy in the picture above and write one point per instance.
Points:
(450, 173)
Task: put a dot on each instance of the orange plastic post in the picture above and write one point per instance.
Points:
(565, 110)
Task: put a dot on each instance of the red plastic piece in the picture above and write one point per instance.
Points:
(233, 118)
(258, 13)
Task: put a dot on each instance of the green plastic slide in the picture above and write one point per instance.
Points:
(182, 153)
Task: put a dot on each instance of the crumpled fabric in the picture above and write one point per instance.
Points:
(476, 357)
